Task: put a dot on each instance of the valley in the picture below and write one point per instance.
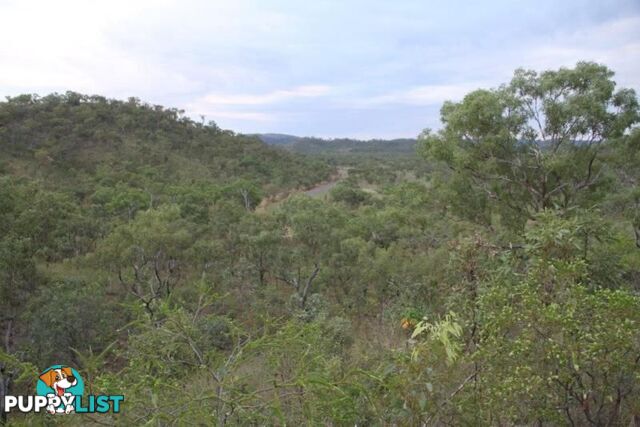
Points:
(485, 273)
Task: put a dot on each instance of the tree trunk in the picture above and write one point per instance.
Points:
(307, 286)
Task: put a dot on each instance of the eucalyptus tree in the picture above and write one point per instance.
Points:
(536, 142)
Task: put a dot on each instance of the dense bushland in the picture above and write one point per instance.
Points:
(493, 280)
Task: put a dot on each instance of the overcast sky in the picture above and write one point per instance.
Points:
(364, 69)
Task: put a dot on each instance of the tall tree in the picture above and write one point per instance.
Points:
(535, 143)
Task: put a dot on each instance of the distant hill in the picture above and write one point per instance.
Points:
(278, 138)
(311, 145)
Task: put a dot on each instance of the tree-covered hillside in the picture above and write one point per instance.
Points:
(493, 278)
(77, 140)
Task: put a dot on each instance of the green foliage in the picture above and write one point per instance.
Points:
(349, 194)
(75, 137)
(78, 311)
(445, 333)
(534, 144)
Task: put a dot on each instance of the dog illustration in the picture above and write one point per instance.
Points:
(59, 380)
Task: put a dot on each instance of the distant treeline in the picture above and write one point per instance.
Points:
(311, 145)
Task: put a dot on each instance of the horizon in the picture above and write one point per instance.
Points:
(362, 70)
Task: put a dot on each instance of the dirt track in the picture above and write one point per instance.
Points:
(318, 190)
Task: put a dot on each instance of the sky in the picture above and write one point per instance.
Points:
(344, 68)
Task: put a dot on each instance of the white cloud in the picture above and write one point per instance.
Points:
(309, 91)
(614, 43)
(66, 46)
(418, 95)
(234, 106)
